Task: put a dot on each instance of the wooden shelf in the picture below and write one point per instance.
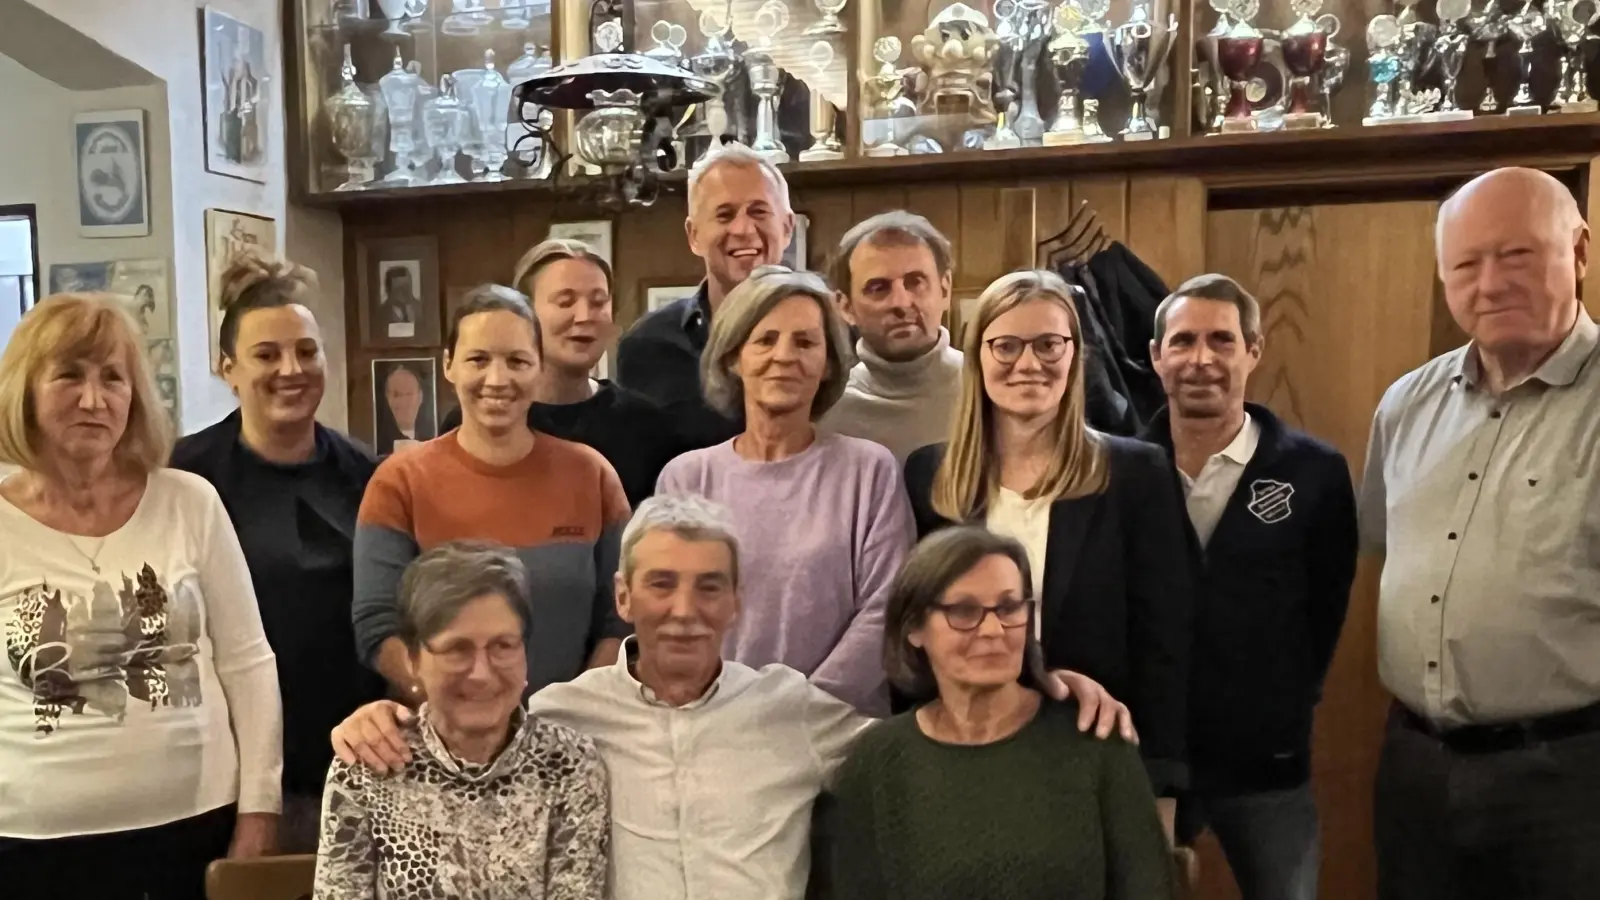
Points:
(1379, 154)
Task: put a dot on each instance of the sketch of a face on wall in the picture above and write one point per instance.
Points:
(399, 306)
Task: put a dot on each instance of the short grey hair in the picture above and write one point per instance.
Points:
(438, 584)
(738, 155)
(743, 309)
(1214, 287)
(689, 516)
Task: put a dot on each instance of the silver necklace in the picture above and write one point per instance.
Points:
(94, 561)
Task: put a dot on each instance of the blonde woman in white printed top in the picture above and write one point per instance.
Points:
(139, 718)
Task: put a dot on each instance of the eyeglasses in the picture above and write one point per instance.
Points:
(968, 615)
(461, 656)
(1047, 348)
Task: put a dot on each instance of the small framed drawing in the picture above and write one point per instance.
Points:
(113, 190)
(399, 291)
(795, 257)
(657, 297)
(229, 236)
(404, 411)
(597, 234)
(236, 92)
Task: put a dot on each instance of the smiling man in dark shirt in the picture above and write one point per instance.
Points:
(739, 218)
(1273, 529)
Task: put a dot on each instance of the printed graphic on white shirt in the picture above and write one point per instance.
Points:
(96, 653)
(1269, 500)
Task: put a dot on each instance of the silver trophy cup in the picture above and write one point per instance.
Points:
(1139, 49)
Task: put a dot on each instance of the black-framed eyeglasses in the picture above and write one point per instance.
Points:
(1047, 348)
(462, 656)
(968, 614)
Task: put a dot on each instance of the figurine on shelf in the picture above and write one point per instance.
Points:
(825, 143)
(953, 49)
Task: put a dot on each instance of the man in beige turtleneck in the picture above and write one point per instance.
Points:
(893, 275)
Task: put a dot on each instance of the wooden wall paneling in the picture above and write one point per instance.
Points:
(1590, 200)
(1108, 197)
(870, 201)
(1052, 209)
(832, 212)
(979, 242)
(1167, 225)
(1017, 228)
(651, 250)
(1347, 296)
(940, 204)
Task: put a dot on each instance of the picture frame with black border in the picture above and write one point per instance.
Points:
(398, 290)
(405, 408)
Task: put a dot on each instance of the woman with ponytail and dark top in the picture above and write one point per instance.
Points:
(292, 488)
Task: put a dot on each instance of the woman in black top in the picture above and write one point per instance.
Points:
(1100, 516)
(569, 286)
(292, 488)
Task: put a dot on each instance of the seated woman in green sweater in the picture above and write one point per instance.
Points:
(986, 789)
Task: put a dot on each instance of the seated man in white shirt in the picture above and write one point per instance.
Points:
(714, 766)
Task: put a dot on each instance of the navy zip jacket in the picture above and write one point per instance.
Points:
(1271, 592)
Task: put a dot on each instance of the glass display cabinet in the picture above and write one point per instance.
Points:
(402, 94)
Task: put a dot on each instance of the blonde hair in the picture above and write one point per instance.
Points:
(968, 477)
(254, 281)
(546, 252)
(743, 309)
(70, 327)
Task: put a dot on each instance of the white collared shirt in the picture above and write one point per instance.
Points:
(710, 800)
(1207, 494)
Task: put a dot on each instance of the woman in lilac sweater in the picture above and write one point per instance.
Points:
(823, 519)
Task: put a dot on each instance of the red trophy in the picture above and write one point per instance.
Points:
(1305, 48)
(1237, 54)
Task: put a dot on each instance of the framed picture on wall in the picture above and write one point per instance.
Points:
(597, 234)
(229, 236)
(404, 411)
(398, 280)
(113, 187)
(658, 296)
(795, 257)
(236, 94)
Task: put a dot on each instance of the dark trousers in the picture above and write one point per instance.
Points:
(1271, 839)
(1520, 823)
(165, 862)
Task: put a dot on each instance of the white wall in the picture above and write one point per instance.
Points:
(315, 238)
(163, 37)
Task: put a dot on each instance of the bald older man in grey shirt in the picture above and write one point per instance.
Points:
(1481, 486)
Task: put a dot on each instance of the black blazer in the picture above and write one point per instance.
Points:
(1118, 586)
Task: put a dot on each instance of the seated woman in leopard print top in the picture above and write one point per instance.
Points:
(495, 803)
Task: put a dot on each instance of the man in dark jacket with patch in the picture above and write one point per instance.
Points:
(1274, 542)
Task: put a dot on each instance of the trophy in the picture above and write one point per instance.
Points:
(885, 98)
(1488, 26)
(1450, 48)
(714, 63)
(474, 143)
(670, 38)
(1525, 25)
(956, 45)
(829, 23)
(350, 118)
(400, 88)
(396, 12)
(490, 99)
(1383, 64)
(1004, 77)
(1216, 83)
(1069, 54)
(1416, 52)
(766, 80)
(824, 115)
(1092, 132)
(1335, 63)
(1237, 53)
(1139, 49)
(446, 121)
(1572, 20)
(1305, 49)
(1033, 28)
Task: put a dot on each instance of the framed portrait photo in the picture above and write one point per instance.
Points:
(236, 94)
(230, 235)
(399, 291)
(597, 234)
(405, 411)
(113, 187)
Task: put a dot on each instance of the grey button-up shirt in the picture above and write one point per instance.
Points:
(1489, 605)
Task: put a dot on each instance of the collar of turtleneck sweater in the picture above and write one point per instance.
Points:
(912, 378)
